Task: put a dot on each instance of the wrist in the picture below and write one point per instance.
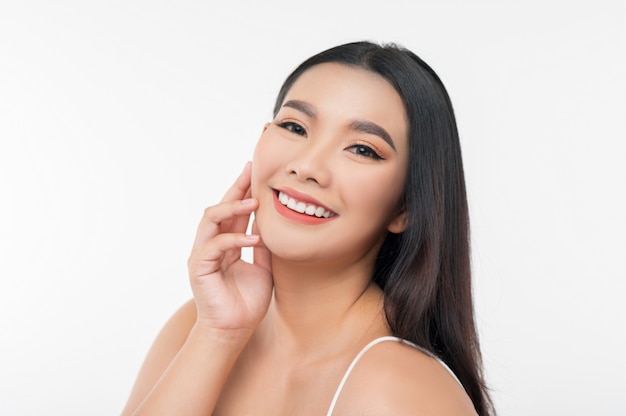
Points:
(212, 336)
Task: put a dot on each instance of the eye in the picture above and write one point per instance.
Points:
(293, 127)
(364, 151)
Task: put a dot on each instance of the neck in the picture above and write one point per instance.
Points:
(316, 307)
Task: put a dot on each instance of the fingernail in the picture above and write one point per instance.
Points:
(252, 238)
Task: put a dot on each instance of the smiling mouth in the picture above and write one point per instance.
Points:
(304, 207)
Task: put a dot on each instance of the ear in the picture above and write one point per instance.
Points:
(399, 223)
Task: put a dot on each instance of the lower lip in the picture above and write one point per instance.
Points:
(296, 217)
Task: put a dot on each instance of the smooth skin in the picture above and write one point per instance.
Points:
(275, 337)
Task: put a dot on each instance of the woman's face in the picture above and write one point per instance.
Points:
(329, 171)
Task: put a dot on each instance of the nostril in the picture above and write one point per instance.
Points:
(306, 170)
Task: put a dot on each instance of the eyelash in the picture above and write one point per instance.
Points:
(293, 127)
(360, 150)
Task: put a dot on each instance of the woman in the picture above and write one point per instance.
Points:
(360, 234)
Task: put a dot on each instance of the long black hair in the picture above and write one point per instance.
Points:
(424, 271)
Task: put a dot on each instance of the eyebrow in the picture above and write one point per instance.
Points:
(372, 128)
(362, 126)
(302, 107)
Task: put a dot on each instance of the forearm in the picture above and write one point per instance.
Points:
(194, 379)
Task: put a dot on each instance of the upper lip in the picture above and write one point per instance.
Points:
(302, 197)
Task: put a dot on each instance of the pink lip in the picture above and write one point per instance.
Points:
(296, 216)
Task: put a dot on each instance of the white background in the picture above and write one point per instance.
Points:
(121, 120)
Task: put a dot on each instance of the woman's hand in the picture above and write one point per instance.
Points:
(230, 294)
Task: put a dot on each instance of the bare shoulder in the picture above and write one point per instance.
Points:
(173, 334)
(394, 378)
(163, 350)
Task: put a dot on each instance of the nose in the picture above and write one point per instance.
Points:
(311, 163)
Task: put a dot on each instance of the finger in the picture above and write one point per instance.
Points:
(208, 258)
(216, 215)
(240, 188)
(239, 224)
(261, 254)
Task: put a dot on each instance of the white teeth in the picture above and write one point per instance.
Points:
(302, 207)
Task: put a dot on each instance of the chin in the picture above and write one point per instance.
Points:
(291, 248)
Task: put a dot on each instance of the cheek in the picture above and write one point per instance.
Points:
(260, 163)
(377, 195)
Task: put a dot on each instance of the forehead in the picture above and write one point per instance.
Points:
(340, 91)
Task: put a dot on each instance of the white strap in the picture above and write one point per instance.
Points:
(365, 349)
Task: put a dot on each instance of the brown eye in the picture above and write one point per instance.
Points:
(364, 151)
(293, 127)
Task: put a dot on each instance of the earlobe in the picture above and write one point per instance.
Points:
(399, 223)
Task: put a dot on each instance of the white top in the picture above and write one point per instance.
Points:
(365, 349)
